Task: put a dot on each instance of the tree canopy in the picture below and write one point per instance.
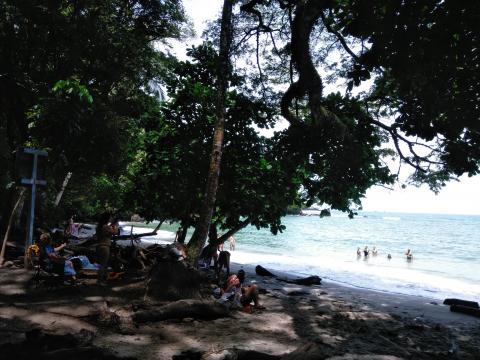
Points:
(421, 58)
(75, 77)
(171, 178)
(80, 79)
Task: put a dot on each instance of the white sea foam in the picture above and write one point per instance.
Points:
(445, 254)
(445, 260)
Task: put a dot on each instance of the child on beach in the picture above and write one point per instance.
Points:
(241, 296)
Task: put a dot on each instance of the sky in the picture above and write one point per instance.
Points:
(462, 197)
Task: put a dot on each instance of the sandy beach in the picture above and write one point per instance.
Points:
(326, 321)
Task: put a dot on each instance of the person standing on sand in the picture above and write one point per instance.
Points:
(104, 233)
(178, 235)
(359, 252)
(231, 241)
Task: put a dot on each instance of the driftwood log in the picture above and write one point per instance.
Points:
(197, 309)
(307, 281)
(260, 270)
(465, 310)
(471, 304)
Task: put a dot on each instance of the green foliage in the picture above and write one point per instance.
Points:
(337, 171)
(75, 80)
(429, 56)
(171, 182)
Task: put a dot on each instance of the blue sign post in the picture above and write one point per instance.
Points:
(33, 182)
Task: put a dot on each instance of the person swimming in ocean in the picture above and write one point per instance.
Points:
(409, 255)
(389, 257)
(366, 251)
(359, 252)
(374, 251)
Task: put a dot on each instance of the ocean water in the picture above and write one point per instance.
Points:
(446, 251)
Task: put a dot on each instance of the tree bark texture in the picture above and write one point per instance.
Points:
(10, 221)
(231, 232)
(199, 236)
(197, 309)
(307, 14)
(62, 190)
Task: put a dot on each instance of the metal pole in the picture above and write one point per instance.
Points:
(32, 209)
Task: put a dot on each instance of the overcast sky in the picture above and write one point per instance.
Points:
(456, 198)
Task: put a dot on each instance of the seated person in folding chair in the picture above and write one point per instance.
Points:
(51, 261)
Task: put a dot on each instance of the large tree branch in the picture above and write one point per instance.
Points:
(309, 82)
(417, 159)
(232, 232)
(338, 36)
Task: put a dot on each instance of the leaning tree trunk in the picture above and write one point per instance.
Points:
(10, 221)
(199, 236)
(62, 190)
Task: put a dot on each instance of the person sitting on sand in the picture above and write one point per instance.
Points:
(51, 259)
(409, 254)
(246, 294)
(73, 228)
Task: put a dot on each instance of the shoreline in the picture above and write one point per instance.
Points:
(326, 321)
(407, 306)
(396, 303)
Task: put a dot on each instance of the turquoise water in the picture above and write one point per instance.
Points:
(445, 247)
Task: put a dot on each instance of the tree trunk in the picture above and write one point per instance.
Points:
(199, 236)
(10, 221)
(183, 235)
(64, 185)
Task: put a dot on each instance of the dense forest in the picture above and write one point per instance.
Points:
(129, 128)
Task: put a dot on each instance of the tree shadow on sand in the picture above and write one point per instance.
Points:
(339, 328)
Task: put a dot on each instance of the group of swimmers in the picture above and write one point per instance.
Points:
(366, 252)
(374, 252)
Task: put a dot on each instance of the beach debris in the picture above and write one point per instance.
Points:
(471, 304)
(260, 270)
(465, 310)
(309, 280)
(190, 308)
(463, 306)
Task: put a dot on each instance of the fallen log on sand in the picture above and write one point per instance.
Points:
(471, 304)
(260, 270)
(190, 308)
(307, 281)
(465, 310)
